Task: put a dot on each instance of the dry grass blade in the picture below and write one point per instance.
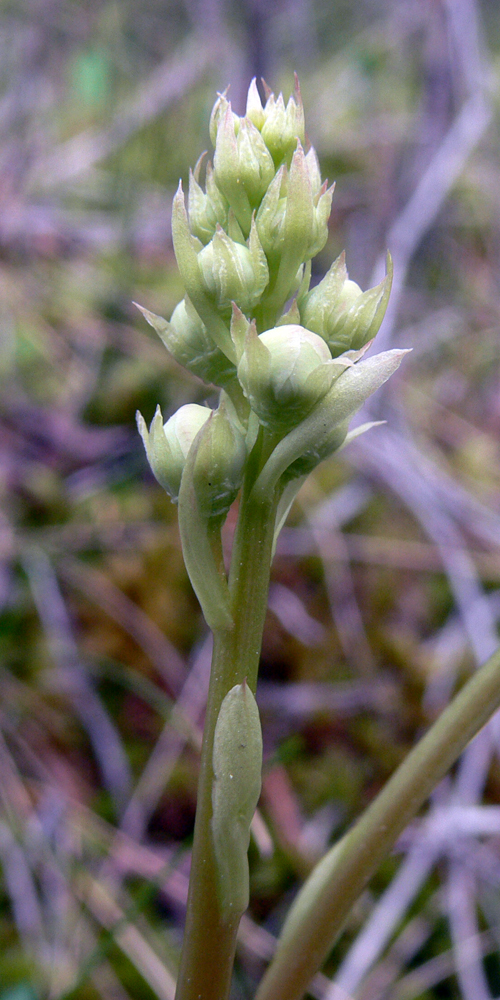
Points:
(73, 678)
(131, 941)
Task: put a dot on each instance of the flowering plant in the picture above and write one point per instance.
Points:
(290, 363)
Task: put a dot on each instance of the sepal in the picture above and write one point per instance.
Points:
(205, 208)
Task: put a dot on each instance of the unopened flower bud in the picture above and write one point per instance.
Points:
(187, 248)
(187, 339)
(167, 445)
(271, 215)
(280, 126)
(292, 221)
(283, 373)
(355, 382)
(219, 464)
(243, 166)
(341, 313)
(233, 272)
(205, 209)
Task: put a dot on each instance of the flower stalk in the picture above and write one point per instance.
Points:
(250, 325)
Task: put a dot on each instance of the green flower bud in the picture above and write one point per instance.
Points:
(219, 463)
(187, 248)
(341, 313)
(187, 339)
(167, 445)
(280, 127)
(243, 166)
(205, 210)
(283, 373)
(292, 220)
(233, 272)
(271, 215)
(218, 274)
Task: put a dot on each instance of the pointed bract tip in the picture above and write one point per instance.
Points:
(142, 426)
(198, 165)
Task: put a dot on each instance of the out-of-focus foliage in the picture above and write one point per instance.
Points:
(384, 588)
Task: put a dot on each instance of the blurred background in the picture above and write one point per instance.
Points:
(384, 595)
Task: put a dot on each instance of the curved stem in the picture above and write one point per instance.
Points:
(323, 904)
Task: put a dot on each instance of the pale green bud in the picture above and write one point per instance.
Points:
(341, 313)
(292, 220)
(233, 272)
(283, 373)
(167, 445)
(271, 215)
(219, 463)
(280, 127)
(187, 248)
(237, 768)
(243, 166)
(205, 209)
(187, 340)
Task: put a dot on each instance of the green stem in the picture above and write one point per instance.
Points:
(209, 941)
(322, 906)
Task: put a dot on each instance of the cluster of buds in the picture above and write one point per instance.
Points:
(280, 351)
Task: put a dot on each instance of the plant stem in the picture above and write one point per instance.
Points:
(209, 942)
(321, 908)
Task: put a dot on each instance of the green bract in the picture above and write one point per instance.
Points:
(237, 766)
